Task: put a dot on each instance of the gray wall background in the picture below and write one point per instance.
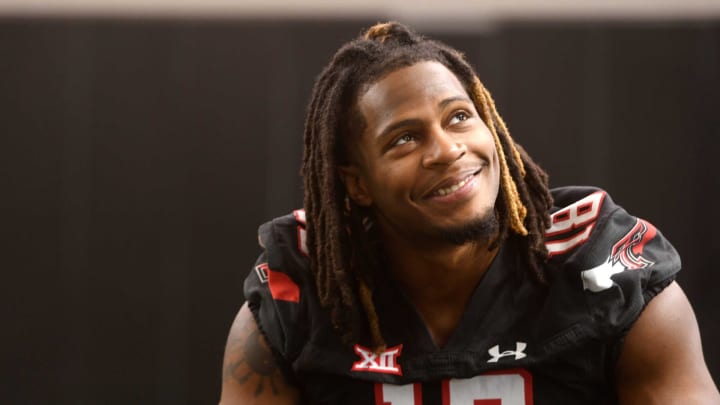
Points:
(140, 155)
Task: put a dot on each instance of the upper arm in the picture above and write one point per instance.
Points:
(250, 372)
(661, 361)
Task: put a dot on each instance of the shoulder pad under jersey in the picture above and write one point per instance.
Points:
(618, 260)
(277, 287)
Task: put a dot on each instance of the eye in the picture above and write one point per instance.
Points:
(458, 117)
(403, 139)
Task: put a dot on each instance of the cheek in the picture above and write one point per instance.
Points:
(393, 181)
(489, 145)
(497, 171)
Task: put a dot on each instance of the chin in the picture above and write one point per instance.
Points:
(479, 229)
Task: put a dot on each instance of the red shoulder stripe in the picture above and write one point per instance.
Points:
(282, 288)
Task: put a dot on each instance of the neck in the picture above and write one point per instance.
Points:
(438, 278)
(440, 270)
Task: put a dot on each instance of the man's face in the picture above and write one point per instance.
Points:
(426, 163)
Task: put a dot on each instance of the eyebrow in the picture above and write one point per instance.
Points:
(414, 121)
(392, 127)
(445, 102)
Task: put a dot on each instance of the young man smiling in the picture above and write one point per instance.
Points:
(432, 265)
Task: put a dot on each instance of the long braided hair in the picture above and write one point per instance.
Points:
(344, 256)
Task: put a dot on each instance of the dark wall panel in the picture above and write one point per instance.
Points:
(139, 157)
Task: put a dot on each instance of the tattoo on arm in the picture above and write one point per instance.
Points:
(249, 360)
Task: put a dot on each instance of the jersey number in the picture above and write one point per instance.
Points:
(506, 387)
(573, 224)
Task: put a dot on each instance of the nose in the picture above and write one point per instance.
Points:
(442, 149)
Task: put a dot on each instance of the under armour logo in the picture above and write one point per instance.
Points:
(519, 352)
(384, 362)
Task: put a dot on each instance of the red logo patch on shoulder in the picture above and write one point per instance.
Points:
(385, 362)
(629, 249)
(282, 287)
(626, 254)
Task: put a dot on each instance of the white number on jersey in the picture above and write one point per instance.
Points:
(505, 387)
(581, 216)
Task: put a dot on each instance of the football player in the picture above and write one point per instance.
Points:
(432, 265)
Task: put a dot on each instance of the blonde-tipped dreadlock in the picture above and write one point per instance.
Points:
(511, 195)
(344, 251)
(378, 32)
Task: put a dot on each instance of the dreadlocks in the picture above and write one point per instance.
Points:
(344, 255)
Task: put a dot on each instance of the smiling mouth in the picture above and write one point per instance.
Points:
(454, 187)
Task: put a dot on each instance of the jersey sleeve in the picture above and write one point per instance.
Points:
(275, 288)
(617, 260)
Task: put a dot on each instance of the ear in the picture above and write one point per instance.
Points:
(355, 185)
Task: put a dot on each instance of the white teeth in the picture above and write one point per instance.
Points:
(453, 188)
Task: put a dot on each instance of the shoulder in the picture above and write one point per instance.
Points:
(610, 260)
(283, 262)
(279, 285)
(591, 233)
(285, 237)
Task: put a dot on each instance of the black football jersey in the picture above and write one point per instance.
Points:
(517, 343)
